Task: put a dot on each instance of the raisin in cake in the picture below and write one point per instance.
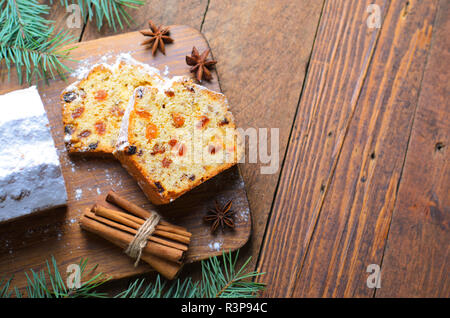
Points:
(30, 171)
(176, 135)
(94, 106)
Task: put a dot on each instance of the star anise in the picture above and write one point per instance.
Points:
(158, 36)
(200, 64)
(222, 216)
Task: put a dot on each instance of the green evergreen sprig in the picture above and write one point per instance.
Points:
(30, 43)
(113, 11)
(219, 279)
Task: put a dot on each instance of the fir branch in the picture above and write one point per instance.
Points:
(50, 284)
(219, 280)
(4, 288)
(113, 11)
(28, 41)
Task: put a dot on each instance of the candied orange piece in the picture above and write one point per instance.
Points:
(181, 149)
(151, 131)
(178, 120)
(101, 94)
(144, 114)
(203, 121)
(172, 142)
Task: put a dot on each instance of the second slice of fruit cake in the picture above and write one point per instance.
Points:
(94, 106)
(176, 135)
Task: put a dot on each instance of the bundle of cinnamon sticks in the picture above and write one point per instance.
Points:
(166, 246)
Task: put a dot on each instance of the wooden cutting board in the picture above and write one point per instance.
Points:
(25, 243)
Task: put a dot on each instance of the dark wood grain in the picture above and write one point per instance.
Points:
(342, 53)
(31, 240)
(416, 262)
(357, 210)
(263, 48)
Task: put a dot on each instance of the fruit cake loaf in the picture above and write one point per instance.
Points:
(30, 172)
(176, 135)
(94, 106)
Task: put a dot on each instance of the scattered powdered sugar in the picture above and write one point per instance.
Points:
(78, 194)
(166, 70)
(216, 246)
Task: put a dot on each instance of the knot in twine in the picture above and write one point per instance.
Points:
(139, 241)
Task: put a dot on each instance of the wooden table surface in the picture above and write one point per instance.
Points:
(363, 118)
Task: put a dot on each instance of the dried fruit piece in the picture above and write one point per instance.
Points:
(77, 112)
(85, 133)
(172, 142)
(181, 149)
(178, 120)
(224, 121)
(101, 94)
(169, 93)
(159, 186)
(158, 149)
(212, 149)
(143, 114)
(70, 97)
(151, 132)
(139, 92)
(93, 145)
(130, 150)
(166, 162)
(117, 111)
(68, 130)
(100, 127)
(203, 121)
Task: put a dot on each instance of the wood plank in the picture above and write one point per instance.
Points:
(263, 48)
(33, 239)
(357, 210)
(60, 17)
(165, 12)
(340, 60)
(417, 259)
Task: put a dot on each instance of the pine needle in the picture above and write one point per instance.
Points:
(219, 280)
(113, 11)
(29, 42)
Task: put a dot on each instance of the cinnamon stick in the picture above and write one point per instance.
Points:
(166, 246)
(161, 230)
(166, 268)
(115, 235)
(132, 231)
(163, 226)
(113, 197)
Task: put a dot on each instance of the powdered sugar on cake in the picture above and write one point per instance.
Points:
(30, 172)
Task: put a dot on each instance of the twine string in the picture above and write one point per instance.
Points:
(139, 241)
